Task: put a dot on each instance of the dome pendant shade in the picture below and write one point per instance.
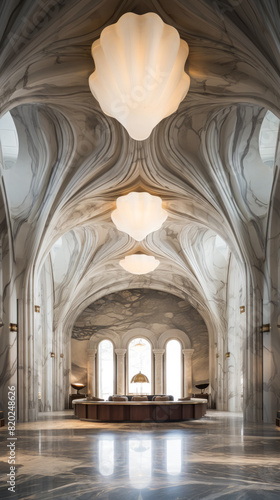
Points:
(139, 263)
(139, 76)
(139, 214)
(139, 345)
(140, 378)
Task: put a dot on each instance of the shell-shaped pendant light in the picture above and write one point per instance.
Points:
(139, 76)
(139, 214)
(139, 263)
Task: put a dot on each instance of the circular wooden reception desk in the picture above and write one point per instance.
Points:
(139, 411)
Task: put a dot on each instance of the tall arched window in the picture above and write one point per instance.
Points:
(139, 359)
(105, 369)
(174, 368)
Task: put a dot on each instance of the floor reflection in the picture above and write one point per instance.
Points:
(173, 456)
(106, 457)
(140, 463)
(216, 457)
(142, 456)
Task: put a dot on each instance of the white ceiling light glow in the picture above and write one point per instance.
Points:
(139, 263)
(139, 76)
(139, 214)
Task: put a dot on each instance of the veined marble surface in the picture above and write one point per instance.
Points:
(150, 314)
(211, 162)
(215, 457)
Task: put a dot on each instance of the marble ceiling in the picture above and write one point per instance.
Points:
(204, 161)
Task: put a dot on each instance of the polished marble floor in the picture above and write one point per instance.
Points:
(59, 457)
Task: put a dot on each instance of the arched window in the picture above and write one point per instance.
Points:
(139, 360)
(9, 140)
(174, 368)
(105, 369)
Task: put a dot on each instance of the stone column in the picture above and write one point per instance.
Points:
(158, 370)
(187, 377)
(91, 372)
(120, 370)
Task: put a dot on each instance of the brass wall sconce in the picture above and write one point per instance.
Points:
(37, 309)
(52, 354)
(227, 354)
(13, 327)
(1, 323)
(265, 328)
(62, 355)
(242, 309)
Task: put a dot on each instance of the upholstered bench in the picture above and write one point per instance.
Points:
(150, 397)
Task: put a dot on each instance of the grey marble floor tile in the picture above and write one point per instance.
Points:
(217, 457)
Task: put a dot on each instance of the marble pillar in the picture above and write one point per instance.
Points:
(187, 387)
(48, 389)
(236, 332)
(91, 372)
(271, 309)
(158, 370)
(27, 366)
(58, 400)
(253, 358)
(38, 333)
(120, 370)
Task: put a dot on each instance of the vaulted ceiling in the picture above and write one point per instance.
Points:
(204, 160)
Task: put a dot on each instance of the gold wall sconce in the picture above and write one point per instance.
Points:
(227, 354)
(37, 309)
(265, 328)
(13, 327)
(242, 309)
(62, 355)
(52, 354)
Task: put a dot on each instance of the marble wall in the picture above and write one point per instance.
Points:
(213, 162)
(156, 314)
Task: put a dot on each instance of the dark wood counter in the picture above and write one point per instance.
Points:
(139, 411)
(75, 396)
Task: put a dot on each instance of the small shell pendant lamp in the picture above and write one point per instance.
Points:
(139, 263)
(139, 76)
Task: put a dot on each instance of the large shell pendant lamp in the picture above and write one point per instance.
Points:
(139, 263)
(139, 76)
(139, 214)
